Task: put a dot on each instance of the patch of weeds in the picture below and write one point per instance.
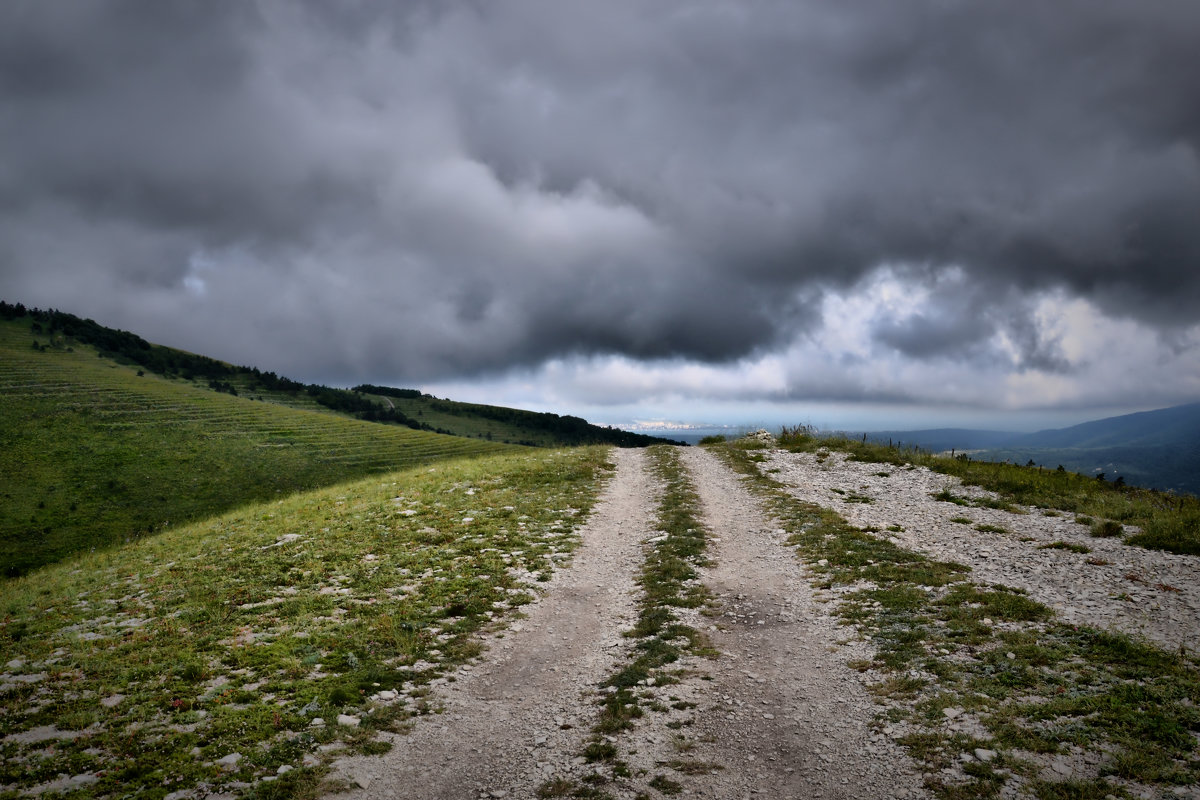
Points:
(1178, 533)
(1106, 529)
(665, 785)
(986, 528)
(600, 750)
(1060, 545)
(557, 787)
(1076, 789)
(968, 601)
(899, 687)
(895, 528)
(947, 496)
(962, 520)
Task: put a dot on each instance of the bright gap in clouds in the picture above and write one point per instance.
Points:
(889, 353)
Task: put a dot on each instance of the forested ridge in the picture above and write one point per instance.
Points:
(62, 330)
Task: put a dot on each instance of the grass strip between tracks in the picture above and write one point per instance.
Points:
(669, 580)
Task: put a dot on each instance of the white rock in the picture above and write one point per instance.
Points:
(348, 721)
(284, 769)
(984, 755)
(229, 762)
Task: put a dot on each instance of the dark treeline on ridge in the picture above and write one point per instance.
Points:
(62, 328)
(172, 363)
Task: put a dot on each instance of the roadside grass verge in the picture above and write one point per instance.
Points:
(670, 580)
(986, 690)
(95, 455)
(1167, 521)
(201, 660)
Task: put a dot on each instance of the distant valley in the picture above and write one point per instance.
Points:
(1157, 449)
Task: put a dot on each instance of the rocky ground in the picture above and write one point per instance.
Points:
(1112, 585)
(777, 713)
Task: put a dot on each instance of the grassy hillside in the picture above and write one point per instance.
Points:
(201, 659)
(92, 453)
(57, 329)
(501, 424)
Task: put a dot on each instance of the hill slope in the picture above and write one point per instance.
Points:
(57, 329)
(93, 454)
(1158, 448)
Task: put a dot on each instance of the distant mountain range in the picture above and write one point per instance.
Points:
(1158, 449)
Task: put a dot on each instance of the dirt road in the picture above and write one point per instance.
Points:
(776, 714)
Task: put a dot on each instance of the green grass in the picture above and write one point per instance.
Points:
(94, 455)
(1106, 529)
(1032, 684)
(669, 580)
(1168, 522)
(233, 634)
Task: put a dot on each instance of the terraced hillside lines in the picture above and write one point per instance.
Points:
(93, 454)
(433, 412)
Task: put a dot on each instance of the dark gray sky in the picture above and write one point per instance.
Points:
(936, 211)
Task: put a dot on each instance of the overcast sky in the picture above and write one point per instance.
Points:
(895, 213)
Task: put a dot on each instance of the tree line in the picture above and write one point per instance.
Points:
(220, 376)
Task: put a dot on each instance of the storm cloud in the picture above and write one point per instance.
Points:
(441, 191)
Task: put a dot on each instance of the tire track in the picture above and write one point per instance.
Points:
(518, 717)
